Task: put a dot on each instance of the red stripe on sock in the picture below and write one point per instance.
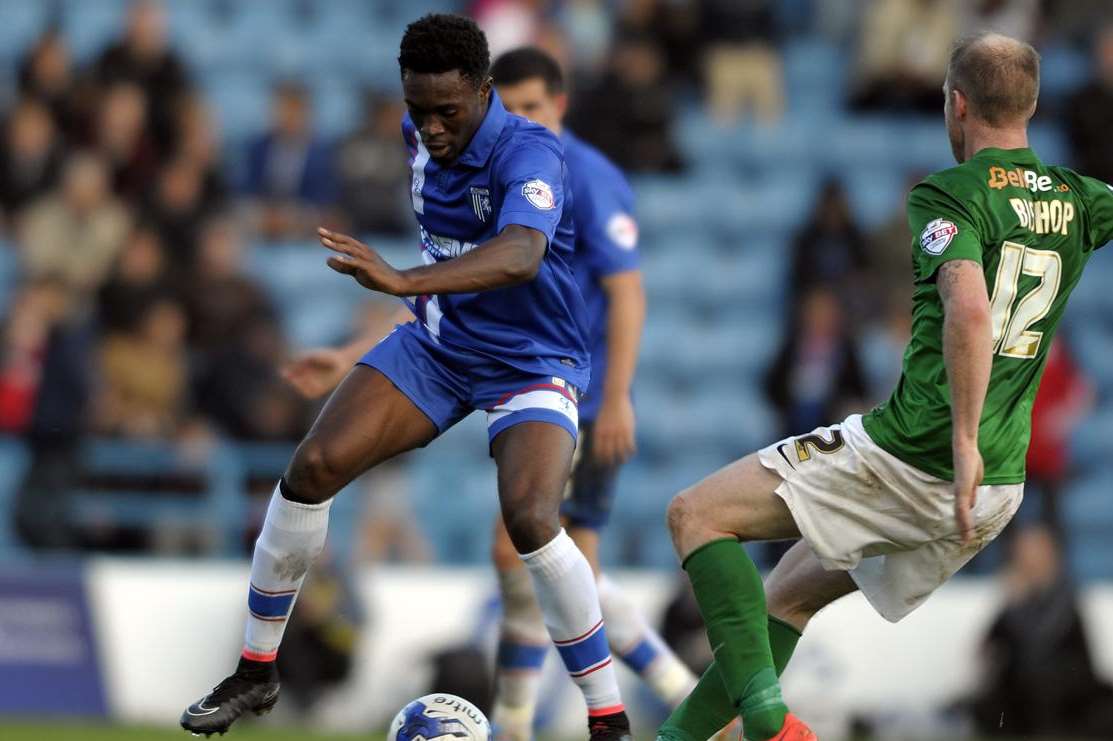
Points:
(269, 619)
(612, 710)
(592, 670)
(257, 656)
(577, 639)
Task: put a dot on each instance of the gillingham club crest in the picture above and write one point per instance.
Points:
(481, 203)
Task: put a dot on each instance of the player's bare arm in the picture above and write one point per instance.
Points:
(317, 371)
(968, 357)
(614, 427)
(509, 259)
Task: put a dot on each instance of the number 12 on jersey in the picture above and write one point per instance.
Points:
(1012, 337)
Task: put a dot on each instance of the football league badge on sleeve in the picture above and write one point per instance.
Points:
(481, 203)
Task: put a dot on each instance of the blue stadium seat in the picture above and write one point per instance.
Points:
(241, 102)
(90, 26)
(14, 462)
(21, 22)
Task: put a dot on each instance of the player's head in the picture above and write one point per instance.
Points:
(993, 82)
(444, 62)
(531, 84)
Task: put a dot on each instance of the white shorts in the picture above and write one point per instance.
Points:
(889, 524)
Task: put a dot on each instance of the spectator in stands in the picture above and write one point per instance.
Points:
(46, 363)
(675, 28)
(198, 143)
(508, 24)
(177, 209)
(138, 279)
(144, 385)
(222, 300)
(830, 249)
(30, 157)
(143, 57)
(1073, 21)
(1015, 18)
(234, 329)
(817, 374)
(75, 233)
(372, 171)
(1039, 678)
(289, 169)
(903, 48)
(121, 137)
(629, 112)
(1064, 397)
(742, 65)
(46, 75)
(1090, 114)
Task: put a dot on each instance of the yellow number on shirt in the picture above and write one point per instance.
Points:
(1011, 336)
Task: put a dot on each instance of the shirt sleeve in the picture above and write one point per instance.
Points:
(942, 230)
(609, 234)
(531, 179)
(1099, 212)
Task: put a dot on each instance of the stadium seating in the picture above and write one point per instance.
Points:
(716, 246)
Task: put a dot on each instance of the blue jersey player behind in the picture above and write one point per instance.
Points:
(500, 328)
(605, 261)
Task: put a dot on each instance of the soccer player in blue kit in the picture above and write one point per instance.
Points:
(530, 83)
(501, 327)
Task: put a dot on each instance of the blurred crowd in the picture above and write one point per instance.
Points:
(137, 315)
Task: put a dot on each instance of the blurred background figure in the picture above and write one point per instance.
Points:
(742, 63)
(30, 157)
(75, 233)
(289, 168)
(1038, 677)
(1090, 112)
(371, 170)
(904, 46)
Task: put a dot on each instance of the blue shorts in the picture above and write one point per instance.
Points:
(448, 383)
(590, 493)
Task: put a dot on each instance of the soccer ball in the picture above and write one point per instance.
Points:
(439, 716)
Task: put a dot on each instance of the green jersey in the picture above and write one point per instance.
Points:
(1032, 228)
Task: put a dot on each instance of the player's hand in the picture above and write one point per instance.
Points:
(316, 372)
(969, 471)
(362, 263)
(614, 431)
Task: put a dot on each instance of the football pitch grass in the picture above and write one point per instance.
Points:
(92, 731)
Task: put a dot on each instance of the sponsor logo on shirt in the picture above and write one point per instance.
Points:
(539, 194)
(1018, 177)
(444, 248)
(481, 203)
(623, 230)
(937, 235)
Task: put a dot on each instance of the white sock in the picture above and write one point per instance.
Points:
(641, 648)
(565, 589)
(523, 644)
(293, 536)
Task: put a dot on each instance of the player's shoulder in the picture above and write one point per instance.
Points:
(1087, 187)
(521, 137)
(593, 172)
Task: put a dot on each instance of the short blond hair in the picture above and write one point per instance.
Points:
(999, 75)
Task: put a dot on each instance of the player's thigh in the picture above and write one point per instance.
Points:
(798, 586)
(737, 501)
(534, 459)
(366, 421)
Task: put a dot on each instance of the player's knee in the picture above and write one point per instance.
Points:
(313, 474)
(681, 515)
(530, 527)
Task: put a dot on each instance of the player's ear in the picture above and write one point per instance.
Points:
(958, 101)
(485, 88)
(561, 104)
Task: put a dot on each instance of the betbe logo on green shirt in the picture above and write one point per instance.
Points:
(937, 235)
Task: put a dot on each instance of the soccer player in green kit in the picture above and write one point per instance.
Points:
(894, 502)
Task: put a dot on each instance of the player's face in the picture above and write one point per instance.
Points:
(955, 133)
(531, 99)
(447, 109)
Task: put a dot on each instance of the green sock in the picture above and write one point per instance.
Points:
(708, 709)
(731, 599)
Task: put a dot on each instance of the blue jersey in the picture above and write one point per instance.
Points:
(606, 243)
(512, 172)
